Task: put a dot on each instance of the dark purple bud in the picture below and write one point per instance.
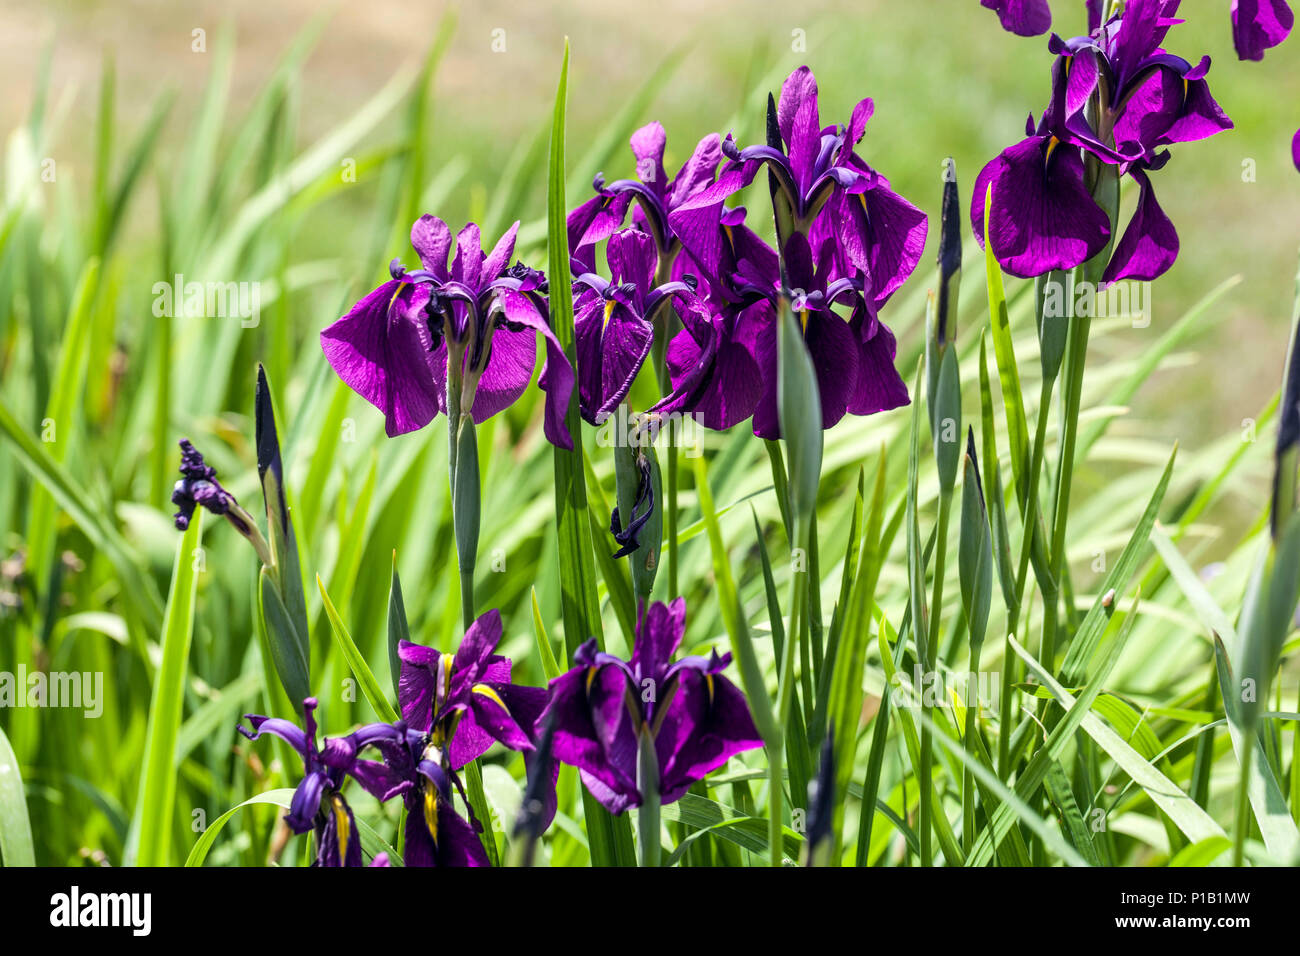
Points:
(198, 487)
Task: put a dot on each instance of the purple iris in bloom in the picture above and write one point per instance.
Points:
(318, 804)
(711, 361)
(816, 171)
(697, 718)
(614, 321)
(1295, 149)
(656, 197)
(1118, 98)
(1026, 18)
(472, 325)
(1259, 25)
(419, 772)
(854, 359)
(465, 701)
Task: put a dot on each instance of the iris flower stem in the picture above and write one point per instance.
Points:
(1242, 825)
(784, 705)
(670, 517)
(968, 778)
(647, 816)
(1030, 517)
(932, 643)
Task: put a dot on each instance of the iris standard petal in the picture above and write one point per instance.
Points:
(648, 148)
(697, 172)
(797, 117)
(431, 239)
(467, 265)
(499, 257)
(658, 634)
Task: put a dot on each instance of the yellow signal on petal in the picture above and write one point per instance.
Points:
(341, 825)
(609, 310)
(1051, 148)
(490, 694)
(431, 811)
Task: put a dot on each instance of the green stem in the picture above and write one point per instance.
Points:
(647, 816)
(968, 778)
(927, 666)
(1242, 825)
(784, 703)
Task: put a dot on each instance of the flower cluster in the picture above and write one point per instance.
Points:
(1119, 100)
(1257, 25)
(454, 707)
(685, 280)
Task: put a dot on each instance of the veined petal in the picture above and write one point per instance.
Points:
(658, 634)
(467, 265)
(431, 239)
(509, 370)
(797, 116)
(1043, 217)
(648, 148)
(708, 723)
(499, 257)
(381, 350)
(697, 172)
(593, 730)
(1149, 245)
(417, 683)
(879, 386)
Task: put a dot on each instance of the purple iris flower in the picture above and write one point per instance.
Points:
(1026, 18)
(697, 717)
(397, 346)
(465, 701)
(711, 361)
(419, 771)
(854, 359)
(656, 197)
(817, 171)
(1259, 25)
(614, 321)
(1295, 149)
(318, 803)
(1121, 99)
